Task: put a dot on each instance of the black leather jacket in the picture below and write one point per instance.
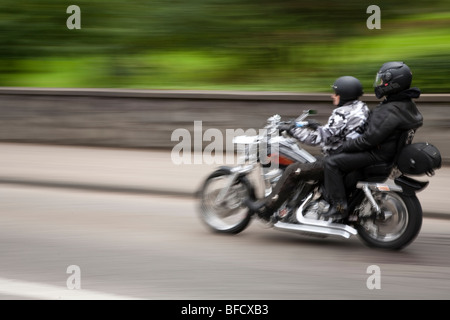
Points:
(396, 114)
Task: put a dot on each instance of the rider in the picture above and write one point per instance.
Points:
(346, 122)
(396, 114)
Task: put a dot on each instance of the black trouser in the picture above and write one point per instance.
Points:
(290, 180)
(338, 165)
(304, 171)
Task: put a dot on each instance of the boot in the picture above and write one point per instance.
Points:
(290, 180)
(338, 210)
(280, 193)
(264, 207)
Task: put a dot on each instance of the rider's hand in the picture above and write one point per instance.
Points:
(312, 124)
(287, 126)
(337, 150)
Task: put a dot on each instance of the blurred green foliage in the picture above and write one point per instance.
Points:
(284, 45)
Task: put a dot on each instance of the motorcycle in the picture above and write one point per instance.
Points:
(384, 211)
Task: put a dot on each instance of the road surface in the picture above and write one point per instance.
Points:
(135, 246)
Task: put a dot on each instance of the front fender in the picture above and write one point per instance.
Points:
(242, 172)
(241, 175)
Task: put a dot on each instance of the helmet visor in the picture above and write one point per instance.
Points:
(378, 80)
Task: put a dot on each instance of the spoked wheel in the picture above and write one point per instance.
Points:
(397, 226)
(225, 212)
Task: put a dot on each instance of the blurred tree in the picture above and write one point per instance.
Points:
(264, 39)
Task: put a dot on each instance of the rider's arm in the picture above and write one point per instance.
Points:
(381, 125)
(307, 136)
(325, 135)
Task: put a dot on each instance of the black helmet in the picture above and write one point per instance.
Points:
(393, 77)
(348, 88)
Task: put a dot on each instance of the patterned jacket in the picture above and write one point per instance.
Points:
(346, 122)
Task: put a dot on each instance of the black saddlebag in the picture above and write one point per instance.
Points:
(419, 158)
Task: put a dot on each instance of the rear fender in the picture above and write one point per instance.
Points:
(410, 186)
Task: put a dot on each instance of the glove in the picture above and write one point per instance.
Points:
(286, 126)
(339, 149)
(312, 124)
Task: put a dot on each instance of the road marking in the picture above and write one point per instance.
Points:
(43, 291)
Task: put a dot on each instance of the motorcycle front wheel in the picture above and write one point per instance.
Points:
(225, 213)
(397, 227)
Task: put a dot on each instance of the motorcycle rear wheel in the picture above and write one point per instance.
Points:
(399, 228)
(229, 216)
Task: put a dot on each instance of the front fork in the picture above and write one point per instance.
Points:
(236, 172)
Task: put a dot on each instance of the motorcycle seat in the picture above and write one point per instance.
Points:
(382, 170)
(377, 171)
(374, 173)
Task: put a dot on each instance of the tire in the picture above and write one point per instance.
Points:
(230, 216)
(399, 230)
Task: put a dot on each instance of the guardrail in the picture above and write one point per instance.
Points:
(147, 118)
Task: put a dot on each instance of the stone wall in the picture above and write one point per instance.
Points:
(147, 118)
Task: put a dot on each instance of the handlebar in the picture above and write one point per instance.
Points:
(272, 126)
(275, 120)
(305, 114)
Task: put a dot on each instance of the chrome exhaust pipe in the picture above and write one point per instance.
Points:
(309, 229)
(316, 226)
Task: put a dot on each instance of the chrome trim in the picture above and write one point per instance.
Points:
(305, 154)
(302, 228)
(246, 139)
(321, 223)
(369, 196)
(375, 186)
(242, 169)
(315, 226)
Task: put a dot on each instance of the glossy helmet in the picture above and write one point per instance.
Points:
(348, 88)
(393, 77)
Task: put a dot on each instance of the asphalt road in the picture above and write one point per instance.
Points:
(129, 246)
